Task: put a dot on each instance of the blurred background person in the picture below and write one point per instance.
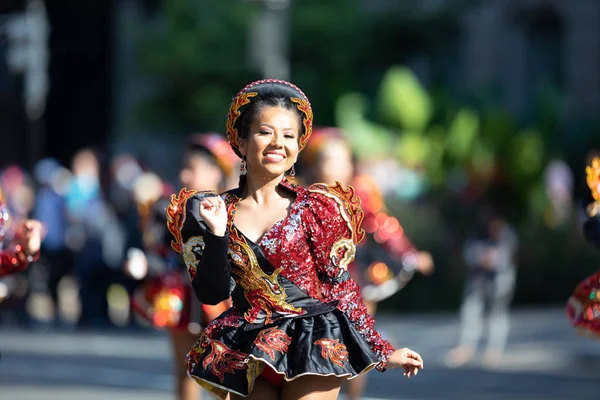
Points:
(167, 299)
(583, 306)
(95, 237)
(490, 282)
(386, 260)
(50, 210)
(19, 244)
(18, 192)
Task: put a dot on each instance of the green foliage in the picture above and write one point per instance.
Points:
(196, 58)
(441, 138)
(403, 102)
(197, 55)
(370, 140)
(327, 44)
(462, 133)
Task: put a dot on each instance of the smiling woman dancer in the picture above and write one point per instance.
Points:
(298, 327)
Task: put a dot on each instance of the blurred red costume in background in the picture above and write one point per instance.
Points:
(166, 299)
(379, 273)
(13, 257)
(583, 307)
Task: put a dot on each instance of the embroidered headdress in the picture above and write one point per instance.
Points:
(265, 89)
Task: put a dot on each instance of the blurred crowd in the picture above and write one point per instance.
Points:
(91, 219)
(93, 214)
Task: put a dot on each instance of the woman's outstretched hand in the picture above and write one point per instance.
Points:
(32, 233)
(214, 213)
(408, 359)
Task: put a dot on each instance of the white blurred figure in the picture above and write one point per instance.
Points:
(558, 179)
(489, 255)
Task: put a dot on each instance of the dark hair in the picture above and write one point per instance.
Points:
(591, 230)
(252, 110)
(201, 152)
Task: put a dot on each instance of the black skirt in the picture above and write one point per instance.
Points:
(232, 353)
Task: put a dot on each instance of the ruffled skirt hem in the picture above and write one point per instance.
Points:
(230, 359)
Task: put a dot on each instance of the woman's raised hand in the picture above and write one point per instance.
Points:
(214, 213)
(408, 359)
(32, 232)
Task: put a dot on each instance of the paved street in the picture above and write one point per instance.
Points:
(545, 360)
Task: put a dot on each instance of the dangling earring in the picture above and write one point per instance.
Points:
(243, 169)
(293, 174)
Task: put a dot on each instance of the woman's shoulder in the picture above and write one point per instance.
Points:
(336, 203)
(344, 196)
(184, 206)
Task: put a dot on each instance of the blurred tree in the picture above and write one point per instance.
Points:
(196, 52)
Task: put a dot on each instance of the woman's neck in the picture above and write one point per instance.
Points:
(261, 190)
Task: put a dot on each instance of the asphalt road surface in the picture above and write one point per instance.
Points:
(545, 360)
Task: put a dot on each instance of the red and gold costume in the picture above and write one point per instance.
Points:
(382, 230)
(295, 309)
(583, 307)
(12, 256)
(295, 306)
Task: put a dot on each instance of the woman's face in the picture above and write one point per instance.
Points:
(271, 147)
(334, 164)
(198, 173)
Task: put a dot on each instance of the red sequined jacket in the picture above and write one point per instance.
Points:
(311, 248)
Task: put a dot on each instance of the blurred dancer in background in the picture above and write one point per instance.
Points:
(490, 257)
(386, 261)
(50, 210)
(95, 236)
(583, 307)
(19, 245)
(167, 299)
(18, 194)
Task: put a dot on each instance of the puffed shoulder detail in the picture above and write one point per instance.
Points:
(345, 202)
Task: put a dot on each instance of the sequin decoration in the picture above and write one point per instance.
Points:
(304, 106)
(176, 216)
(583, 307)
(14, 260)
(349, 207)
(593, 177)
(335, 213)
(194, 245)
(263, 291)
(271, 340)
(223, 360)
(342, 254)
(333, 350)
(234, 113)
(310, 249)
(593, 181)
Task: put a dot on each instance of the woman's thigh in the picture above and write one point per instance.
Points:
(312, 388)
